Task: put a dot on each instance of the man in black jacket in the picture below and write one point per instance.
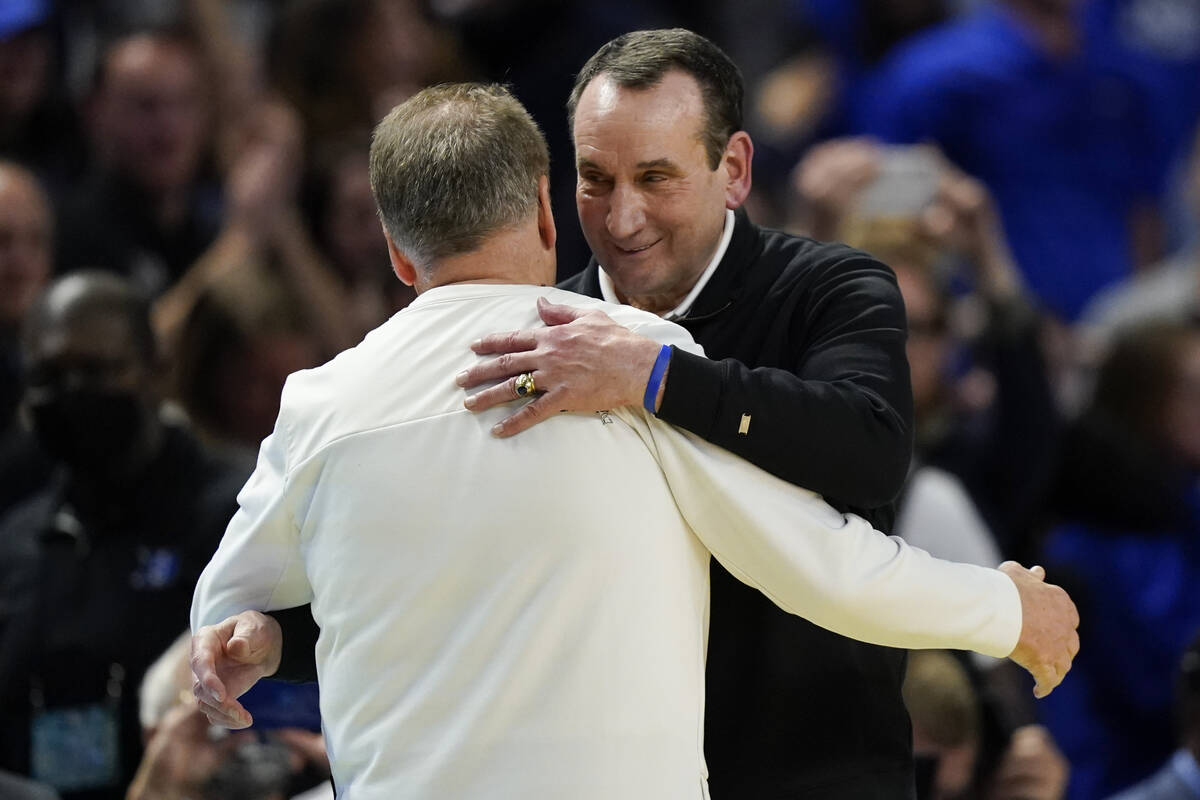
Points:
(805, 377)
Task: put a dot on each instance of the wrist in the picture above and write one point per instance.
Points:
(657, 382)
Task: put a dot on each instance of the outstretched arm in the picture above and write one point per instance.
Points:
(838, 572)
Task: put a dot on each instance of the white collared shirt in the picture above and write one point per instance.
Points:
(527, 617)
(609, 292)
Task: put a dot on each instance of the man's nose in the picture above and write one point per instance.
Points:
(626, 212)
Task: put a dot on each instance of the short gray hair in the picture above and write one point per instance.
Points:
(452, 165)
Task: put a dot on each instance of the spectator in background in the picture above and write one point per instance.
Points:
(342, 215)
(1012, 96)
(38, 126)
(1171, 291)
(26, 229)
(242, 338)
(1179, 778)
(263, 230)
(991, 429)
(149, 210)
(813, 92)
(344, 63)
(961, 750)
(1129, 495)
(97, 567)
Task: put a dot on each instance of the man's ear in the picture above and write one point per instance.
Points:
(404, 268)
(737, 160)
(546, 229)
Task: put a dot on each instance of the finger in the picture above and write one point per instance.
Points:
(206, 646)
(511, 342)
(556, 313)
(1047, 680)
(500, 394)
(529, 415)
(1038, 572)
(494, 369)
(233, 720)
(231, 714)
(249, 643)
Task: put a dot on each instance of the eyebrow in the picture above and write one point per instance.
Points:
(658, 163)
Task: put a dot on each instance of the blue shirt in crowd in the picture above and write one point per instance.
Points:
(1063, 144)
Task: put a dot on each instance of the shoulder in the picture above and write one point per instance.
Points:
(801, 254)
(641, 322)
(819, 273)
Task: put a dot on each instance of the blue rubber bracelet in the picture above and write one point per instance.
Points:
(656, 376)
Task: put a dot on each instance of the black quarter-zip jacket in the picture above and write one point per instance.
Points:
(806, 339)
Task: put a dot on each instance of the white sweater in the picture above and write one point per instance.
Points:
(527, 617)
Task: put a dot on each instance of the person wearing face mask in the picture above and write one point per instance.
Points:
(97, 568)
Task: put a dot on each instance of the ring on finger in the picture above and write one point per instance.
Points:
(524, 385)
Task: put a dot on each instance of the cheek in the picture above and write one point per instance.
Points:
(592, 216)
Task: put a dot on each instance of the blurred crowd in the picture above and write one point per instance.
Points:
(186, 219)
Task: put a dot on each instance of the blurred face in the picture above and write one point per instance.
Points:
(253, 382)
(1182, 408)
(651, 207)
(152, 112)
(90, 393)
(25, 236)
(24, 73)
(928, 344)
(351, 223)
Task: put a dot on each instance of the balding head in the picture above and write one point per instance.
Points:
(26, 228)
(94, 299)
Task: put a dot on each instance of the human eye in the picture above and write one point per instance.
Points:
(594, 181)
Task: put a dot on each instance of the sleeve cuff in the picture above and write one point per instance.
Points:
(693, 392)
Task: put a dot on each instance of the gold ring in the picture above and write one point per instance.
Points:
(524, 385)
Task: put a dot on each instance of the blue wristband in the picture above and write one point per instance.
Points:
(656, 376)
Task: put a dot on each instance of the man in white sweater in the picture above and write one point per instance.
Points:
(472, 646)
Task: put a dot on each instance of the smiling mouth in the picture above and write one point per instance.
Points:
(635, 250)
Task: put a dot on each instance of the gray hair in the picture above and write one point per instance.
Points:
(452, 165)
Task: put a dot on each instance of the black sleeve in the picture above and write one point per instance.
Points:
(298, 662)
(838, 421)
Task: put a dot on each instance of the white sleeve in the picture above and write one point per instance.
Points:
(258, 564)
(833, 569)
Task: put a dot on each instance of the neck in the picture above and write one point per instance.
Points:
(659, 304)
(513, 255)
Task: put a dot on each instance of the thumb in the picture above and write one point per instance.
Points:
(239, 648)
(243, 644)
(1038, 572)
(555, 314)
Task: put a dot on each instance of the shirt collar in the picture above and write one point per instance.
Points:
(1185, 766)
(609, 292)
